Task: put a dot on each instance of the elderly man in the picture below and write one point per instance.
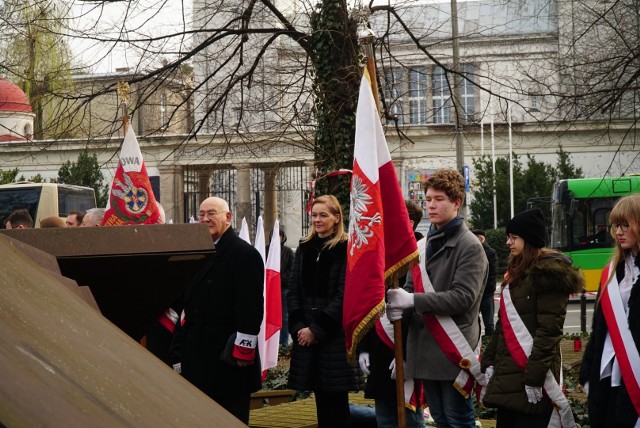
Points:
(215, 345)
(93, 217)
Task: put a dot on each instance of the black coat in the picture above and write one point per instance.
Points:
(226, 298)
(492, 258)
(609, 407)
(316, 292)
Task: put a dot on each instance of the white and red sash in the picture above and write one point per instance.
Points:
(624, 346)
(448, 335)
(520, 343)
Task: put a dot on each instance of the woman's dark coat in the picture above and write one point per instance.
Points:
(226, 298)
(316, 290)
(609, 407)
(541, 299)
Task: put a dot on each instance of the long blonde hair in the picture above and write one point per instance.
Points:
(339, 234)
(626, 210)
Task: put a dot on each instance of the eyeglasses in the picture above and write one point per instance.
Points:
(210, 213)
(623, 226)
(512, 237)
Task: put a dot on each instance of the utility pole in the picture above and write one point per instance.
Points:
(458, 108)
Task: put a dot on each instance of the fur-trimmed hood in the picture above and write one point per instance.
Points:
(554, 274)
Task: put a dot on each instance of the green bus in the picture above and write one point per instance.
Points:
(580, 220)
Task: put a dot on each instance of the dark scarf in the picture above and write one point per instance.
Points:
(436, 238)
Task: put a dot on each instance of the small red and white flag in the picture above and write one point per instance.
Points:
(131, 199)
(381, 246)
(268, 338)
(272, 302)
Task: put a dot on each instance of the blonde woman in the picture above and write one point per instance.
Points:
(611, 366)
(316, 289)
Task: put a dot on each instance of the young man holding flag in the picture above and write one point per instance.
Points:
(444, 330)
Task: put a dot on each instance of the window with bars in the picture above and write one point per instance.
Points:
(417, 96)
(393, 92)
(408, 90)
(440, 96)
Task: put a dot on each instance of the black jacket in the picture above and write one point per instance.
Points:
(609, 407)
(224, 299)
(492, 258)
(316, 292)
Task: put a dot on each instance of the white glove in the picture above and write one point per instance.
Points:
(392, 367)
(586, 388)
(488, 373)
(397, 301)
(363, 359)
(534, 393)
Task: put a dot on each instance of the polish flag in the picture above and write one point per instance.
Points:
(381, 245)
(272, 323)
(268, 338)
(131, 199)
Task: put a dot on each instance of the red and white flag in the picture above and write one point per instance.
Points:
(268, 338)
(131, 199)
(272, 302)
(381, 245)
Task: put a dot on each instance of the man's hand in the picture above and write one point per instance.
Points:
(397, 301)
(363, 359)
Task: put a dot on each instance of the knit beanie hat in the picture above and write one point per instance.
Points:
(530, 226)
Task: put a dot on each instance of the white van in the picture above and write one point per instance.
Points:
(44, 199)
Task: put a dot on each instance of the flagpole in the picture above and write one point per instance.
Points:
(123, 90)
(367, 38)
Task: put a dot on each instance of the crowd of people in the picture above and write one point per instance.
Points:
(22, 219)
(210, 335)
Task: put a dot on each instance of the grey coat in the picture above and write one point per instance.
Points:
(458, 272)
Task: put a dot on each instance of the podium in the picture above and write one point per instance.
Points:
(61, 362)
(134, 272)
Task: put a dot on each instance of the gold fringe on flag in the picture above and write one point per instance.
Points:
(390, 276)
(362, 329)
(400, 269)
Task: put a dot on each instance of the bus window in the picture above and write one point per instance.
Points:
(15, 199)
(74, 199)
(558, 226)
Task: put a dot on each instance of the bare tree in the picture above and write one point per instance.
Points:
(271, 72)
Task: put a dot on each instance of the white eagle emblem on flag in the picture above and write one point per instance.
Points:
(360, 226)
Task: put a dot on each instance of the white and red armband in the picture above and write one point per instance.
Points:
(169, 319)
(244, 347)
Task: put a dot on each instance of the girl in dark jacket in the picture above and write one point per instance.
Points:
(523, 356)
(606, 381)
(316, 288)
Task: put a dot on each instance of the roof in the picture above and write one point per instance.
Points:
(12, 98)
